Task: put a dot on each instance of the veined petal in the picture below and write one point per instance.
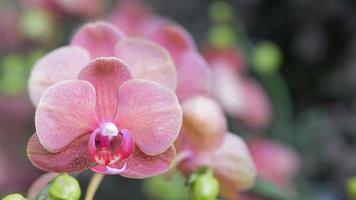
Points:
(106, 75)
(193, 76)
(61, 64)
(151, 112)
(99, 38)
(72, 159)
(148, 60)
(65, 112)
(140, 165)
(232, 164)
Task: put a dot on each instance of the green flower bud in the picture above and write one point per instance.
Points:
(221, 11)
(267, 57)
(204, 186)
(173, 186)
(37, 24)
(351, 188)
(14, 197)
(13, 75)
(65, 187)
(222, 36)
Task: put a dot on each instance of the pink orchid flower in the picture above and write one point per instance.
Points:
(145, 59)
(106, 121)
(61, 8)
(135, 18)
(193, 72)
(275, 161)
(241, 97)
(205, 141)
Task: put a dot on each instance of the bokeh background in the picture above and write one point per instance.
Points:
(312, 91)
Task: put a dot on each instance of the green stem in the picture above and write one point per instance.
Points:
(93, 186)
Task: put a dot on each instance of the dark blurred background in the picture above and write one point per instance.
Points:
(317, 39)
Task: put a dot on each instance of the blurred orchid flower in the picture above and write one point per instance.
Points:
(106, 121)
(102, 39)
(275, 162)
(193, 72)
(61, 8)
(240, 97)
(206, 142)
(135, 18)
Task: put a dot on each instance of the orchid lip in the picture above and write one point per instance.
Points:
(108, 147)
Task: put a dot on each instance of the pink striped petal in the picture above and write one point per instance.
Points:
(147, 60)
(174, 38)
(99, 38)
(72, 159)
(151, 112)
(233, 165)
(193, 76)
(60, 64)
(65, 112)
(106, 75)
(204, 124)
(140, 165)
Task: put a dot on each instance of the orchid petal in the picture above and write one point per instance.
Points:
(193, 76)
(258, 111)
(140, 165)
(154, 62)
(174, 38)
(106, 75)
(72, 159)
(232, 164)
(204, 123)
(151, 112)
(135, 18)
(228, 90)
(99, 38)
(60, 64)
(65, 112)
(109, 170)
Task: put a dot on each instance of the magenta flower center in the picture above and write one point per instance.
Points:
(108, 147)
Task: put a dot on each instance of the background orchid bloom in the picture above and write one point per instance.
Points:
(146, 59)
(106, 121)
(240, 96)
(206, 141)
(275, 161)
(193, 72)
(135, 18)
(61, 8)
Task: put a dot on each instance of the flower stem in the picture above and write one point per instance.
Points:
(93, 186)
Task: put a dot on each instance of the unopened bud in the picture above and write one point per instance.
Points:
(351, 188)
(221, 11)
(267, 57)
(65, 187)
(14, 197)
(205, 186)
